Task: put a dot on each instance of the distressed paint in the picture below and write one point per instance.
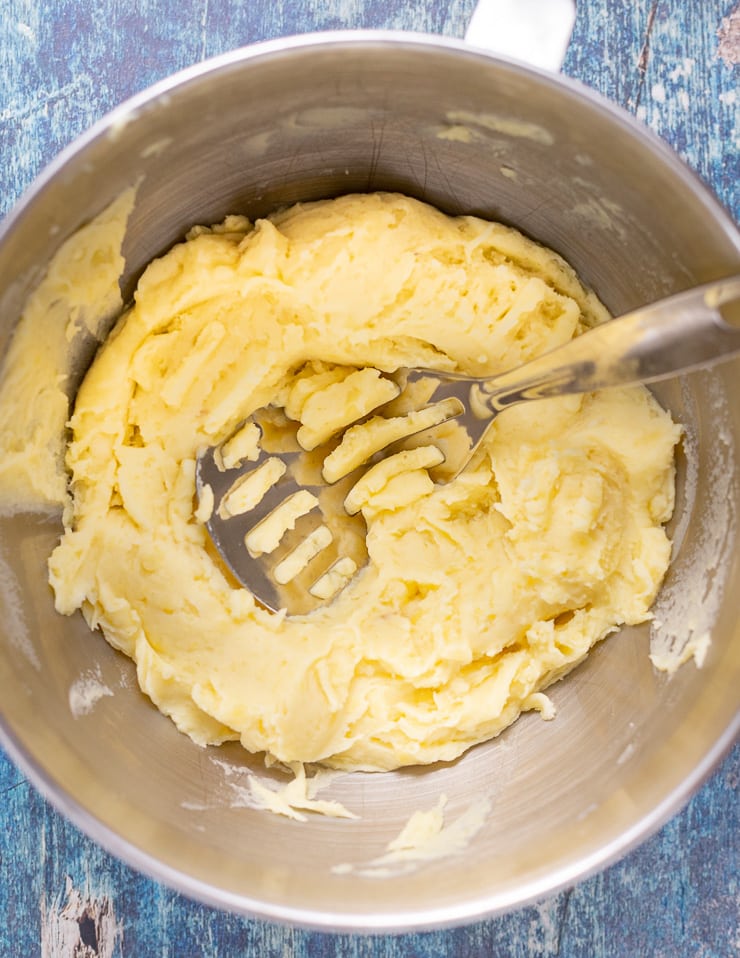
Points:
(77, 923)
(729, 38)
(672, 48)
(63, 64)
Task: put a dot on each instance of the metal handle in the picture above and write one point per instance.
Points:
(684, 332)
(534, 31)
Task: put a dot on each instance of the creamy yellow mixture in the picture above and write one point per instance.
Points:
(75, 303)
(478, 594)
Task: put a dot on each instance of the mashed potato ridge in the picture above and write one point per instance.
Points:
(478, 594)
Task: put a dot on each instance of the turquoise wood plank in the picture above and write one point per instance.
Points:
(662, 62)
(63, 64)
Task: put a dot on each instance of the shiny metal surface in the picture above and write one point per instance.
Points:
(676, 335)
(311, 118)
(228, 532)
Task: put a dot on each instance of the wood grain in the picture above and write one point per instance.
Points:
(63, 64)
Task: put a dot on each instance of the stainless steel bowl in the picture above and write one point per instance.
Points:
(315, 117)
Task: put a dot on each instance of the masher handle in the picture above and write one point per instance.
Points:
(676, 335)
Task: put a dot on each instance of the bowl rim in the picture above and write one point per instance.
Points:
(485, 904)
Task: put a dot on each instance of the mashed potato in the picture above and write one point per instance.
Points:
(478, 594)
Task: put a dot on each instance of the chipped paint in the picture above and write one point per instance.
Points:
(728, 34)
(77, 924)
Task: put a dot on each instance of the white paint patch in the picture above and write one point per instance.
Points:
(683, 70)
(658, 92)
(424, 838)
(78, 925)
(683, 99)
(26, 31)
(543, 936)
(86, 692)
(728, 48)
(729, 97)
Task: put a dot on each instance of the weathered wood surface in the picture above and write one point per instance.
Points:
(63, 63)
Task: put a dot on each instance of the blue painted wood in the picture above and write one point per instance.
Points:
(63, 64)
